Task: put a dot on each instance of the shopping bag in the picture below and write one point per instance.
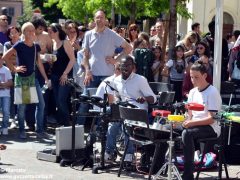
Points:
(25, 90)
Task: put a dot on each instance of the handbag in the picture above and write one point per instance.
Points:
(25, 91)
(236, 71)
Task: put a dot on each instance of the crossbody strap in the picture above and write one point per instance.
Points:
(35, 54)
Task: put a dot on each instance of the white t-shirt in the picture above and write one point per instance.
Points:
(5, 76)
(169, 64)
(212, 101)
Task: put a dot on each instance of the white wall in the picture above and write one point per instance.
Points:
(204, 10)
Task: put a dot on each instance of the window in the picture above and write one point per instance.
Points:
(11, 11)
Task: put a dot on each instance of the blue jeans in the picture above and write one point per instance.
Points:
(115, 129)
(61, 94)
(83, 108)
(38, 113)
(5, 103)
(189, 136)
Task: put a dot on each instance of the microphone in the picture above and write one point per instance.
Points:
(113, 89)
(70, 81)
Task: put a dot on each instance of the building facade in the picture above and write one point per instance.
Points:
(12, 8)
(204, 11)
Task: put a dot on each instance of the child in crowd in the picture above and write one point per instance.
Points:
(5, 84)
(157, 63)
(176, 67)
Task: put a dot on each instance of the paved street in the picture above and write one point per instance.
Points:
(21, 163)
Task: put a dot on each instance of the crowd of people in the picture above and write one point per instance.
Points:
(127, 57)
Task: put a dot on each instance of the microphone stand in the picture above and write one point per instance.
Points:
(74, 102)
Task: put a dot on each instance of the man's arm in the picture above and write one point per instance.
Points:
(127, 48)
(88, 73)
(148, 94)
(49, 43)
(148, 99)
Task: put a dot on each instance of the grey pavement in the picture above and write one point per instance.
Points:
(19, 159)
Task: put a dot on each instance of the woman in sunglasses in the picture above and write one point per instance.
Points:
(201, 49)
(188, 43)
(133, 33)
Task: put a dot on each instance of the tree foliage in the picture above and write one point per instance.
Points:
(51, 14)
(27, 12)
(135, 9)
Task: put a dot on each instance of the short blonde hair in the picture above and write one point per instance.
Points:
(26, 25)
(190, 34)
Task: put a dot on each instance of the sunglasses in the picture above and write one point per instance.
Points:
(133, 30)
(201, 48)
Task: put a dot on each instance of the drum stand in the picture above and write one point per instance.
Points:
(220, 148)
(103, 131)
(172, 169)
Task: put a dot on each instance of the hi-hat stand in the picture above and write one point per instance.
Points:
(170, 166)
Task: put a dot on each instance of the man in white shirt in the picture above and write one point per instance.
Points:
(200, 124)
(135, 89)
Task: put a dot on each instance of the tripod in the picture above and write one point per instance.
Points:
(170, 166)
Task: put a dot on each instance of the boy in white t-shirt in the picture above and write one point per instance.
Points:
(5, 84)
(200, 124)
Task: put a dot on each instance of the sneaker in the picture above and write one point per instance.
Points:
(44, 135)
(23, 135)
(4, 131)
(197, 157)
(128, 158)
(109, 158)
(13, 124)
